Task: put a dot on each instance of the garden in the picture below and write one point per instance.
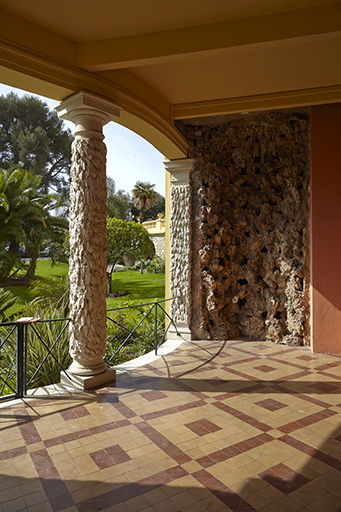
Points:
(132, 328)
(35, 163)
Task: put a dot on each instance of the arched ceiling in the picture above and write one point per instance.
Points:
(162, 60)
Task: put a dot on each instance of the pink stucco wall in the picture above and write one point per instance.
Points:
(326, 229)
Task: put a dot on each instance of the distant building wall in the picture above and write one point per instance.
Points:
(159, 242)
(157, 231)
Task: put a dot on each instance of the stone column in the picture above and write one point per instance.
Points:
(180, 244)
(88, 245)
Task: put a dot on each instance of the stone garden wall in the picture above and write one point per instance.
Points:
(250, 226)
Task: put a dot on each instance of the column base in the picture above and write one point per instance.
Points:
(86, 368)
(183, 330)
(84, 382)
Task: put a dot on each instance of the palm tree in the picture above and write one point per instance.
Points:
(15, 205)
(42, 230)
(144, 196)
(24, 217)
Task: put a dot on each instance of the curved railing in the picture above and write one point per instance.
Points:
(33, 351)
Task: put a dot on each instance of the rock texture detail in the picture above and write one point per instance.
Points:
(250, 226)
(159, 242)
(180, 251)
(87, 333)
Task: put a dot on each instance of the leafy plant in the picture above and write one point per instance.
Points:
(52, 335)
(127, 337)
(126, 238)
(54, 290)
(156, 266)
(7, 300)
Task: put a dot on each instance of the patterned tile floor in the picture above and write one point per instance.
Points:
(213, 426)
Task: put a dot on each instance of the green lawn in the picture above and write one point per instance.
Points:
(44, 271)
(141, 287)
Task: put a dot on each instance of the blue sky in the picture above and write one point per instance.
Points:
(129, 158)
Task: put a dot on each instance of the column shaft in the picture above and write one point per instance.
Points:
(88, 237)
(180, 245)
(88, 250)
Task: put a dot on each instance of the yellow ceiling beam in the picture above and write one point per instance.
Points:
(165, 46)
(24, 34)
(245, 104)
(140, 114)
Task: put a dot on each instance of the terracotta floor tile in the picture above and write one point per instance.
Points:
(155, 496)
(148, 415)
(82, 494)
(86, 469)
(14, 505)
(182, 499)
(41, 507)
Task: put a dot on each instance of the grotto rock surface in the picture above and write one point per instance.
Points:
(250, 226)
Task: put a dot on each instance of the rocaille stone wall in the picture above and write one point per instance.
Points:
(250, 226)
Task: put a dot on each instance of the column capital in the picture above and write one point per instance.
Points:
(180, 170)
(89, 113)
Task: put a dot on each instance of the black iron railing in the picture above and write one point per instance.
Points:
(134, 334)
(33, 351)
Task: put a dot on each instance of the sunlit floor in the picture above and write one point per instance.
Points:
(212, 426)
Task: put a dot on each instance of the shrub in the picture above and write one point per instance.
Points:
(7, 300)
(156, 266)
(124, 321)
(53, 335)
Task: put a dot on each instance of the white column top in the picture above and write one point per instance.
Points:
(89, 113)
(180, 170)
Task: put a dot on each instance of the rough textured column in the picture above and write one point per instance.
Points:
(180, 230)
(88, 246)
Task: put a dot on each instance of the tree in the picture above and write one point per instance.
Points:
(119, 203)
(33, 137)
(25, 218)
(126, 238)
(43, 231)
(157, 207)
(144, 196)
(16, 204)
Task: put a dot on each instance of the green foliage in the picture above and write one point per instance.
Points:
(33, 137)
(45, 271)
(51, 302)
(127, 238)
(141, 288)
(7, 300)
(20, 205)
(25, 218)
(156, 265)
(41, 338)
(123, 322)
(144, 196)
(51, 291)
(158, 206)
(119, 203)
(49, 332)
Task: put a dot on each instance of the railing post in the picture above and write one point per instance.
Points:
(22, 326)
(25, 359)
(155, 332)
(20, 360)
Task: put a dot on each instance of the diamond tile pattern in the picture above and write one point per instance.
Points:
(213, 426)
(271, 405)
(202, 427)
